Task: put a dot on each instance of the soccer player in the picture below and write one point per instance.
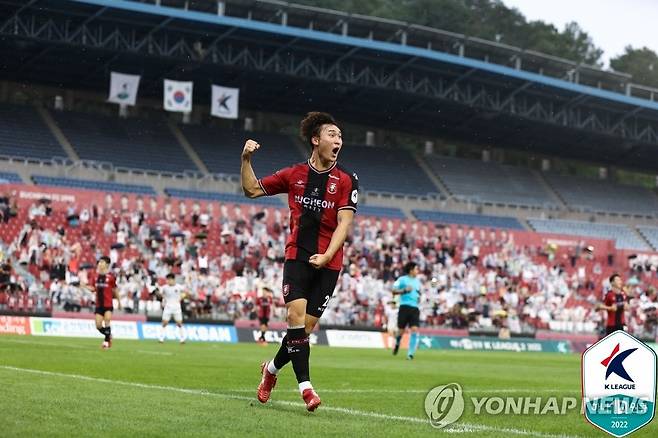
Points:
(408, 287)
(172, 294)
(264, 304)
(391, 313)
(104, 284)
(322, 197)
(614, 303)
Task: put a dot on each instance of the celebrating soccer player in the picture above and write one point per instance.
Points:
(105, 286)
(171, 298)
(408, 287)
(322, 197)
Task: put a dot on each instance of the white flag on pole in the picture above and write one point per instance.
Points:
(225, 102)
(123, 88)
(178, 96)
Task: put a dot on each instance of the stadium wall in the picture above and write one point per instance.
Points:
(214, 333)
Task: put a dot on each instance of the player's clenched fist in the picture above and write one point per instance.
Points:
(250, 147)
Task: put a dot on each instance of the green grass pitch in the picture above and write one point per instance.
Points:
(70, 387)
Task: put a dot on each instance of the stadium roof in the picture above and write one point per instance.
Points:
(290, 58)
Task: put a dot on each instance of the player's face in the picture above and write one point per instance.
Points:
(617, 283)
(171, 281)
(102, 267)
(329, 143)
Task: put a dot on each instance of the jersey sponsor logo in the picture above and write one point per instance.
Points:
(355, 196)
(314, 204)
(332, 188)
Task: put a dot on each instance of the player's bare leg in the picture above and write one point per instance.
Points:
(162, 331)
(263, 330)
(181, 332)
(101, 328)
(107, 319)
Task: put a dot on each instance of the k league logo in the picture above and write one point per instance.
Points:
(619, 384)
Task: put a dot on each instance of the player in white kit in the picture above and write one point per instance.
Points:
(391, 312)
(172, 294)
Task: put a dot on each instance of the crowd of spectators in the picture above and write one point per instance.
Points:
(225, 254)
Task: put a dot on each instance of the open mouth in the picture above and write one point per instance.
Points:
(334, 152)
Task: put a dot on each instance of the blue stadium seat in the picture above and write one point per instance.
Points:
(475, 220)
(624, 236)
(24, 134)
(386, 170)
(649, 233)
(223, 197)
(104, 186)
(10, 177)
(132, 143)
(490, 182)
(387, 212)
(603, 196)
(220, 149)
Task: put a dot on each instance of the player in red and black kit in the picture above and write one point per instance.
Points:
(104, 284)
(322, 197)
(614, 303)
(264, 304)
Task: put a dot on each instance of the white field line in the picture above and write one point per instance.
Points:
(456, 428)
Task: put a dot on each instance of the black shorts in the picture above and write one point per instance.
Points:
(102, 310)
(302, 280)
(408, 316)
(613, 329)
(264, 321)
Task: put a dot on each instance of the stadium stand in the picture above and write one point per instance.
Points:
(649, 233)
(220, 149)
(382, 212)
(92, 185)
(585, 194)
(624, 236)
(130, 143)
(487, 182)
(222, 197)
(24, 134)
(475, 220)
(10, 177)
(387, 170)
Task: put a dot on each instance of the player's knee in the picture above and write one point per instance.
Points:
(294, 318)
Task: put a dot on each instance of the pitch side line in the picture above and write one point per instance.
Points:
(425, 391)
(457, 428)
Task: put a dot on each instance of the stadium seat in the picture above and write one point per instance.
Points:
(223, 197)
(387, 170)
(649, 233)
(383, 212)
(10, 177)
(603, 196)
(24, 134)
(474, 220)
(131, 143)
(220, 149)
(92, 185)
(493, 183)
(624, 236)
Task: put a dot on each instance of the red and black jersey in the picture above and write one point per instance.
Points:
(314, 199)
(264, 305)
(104, 285)
(615, 317)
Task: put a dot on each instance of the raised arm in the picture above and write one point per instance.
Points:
(250, 185)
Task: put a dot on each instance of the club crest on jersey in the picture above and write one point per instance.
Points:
(286, 290)
(332, 188)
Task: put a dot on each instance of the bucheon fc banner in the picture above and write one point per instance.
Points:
(123, 88)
